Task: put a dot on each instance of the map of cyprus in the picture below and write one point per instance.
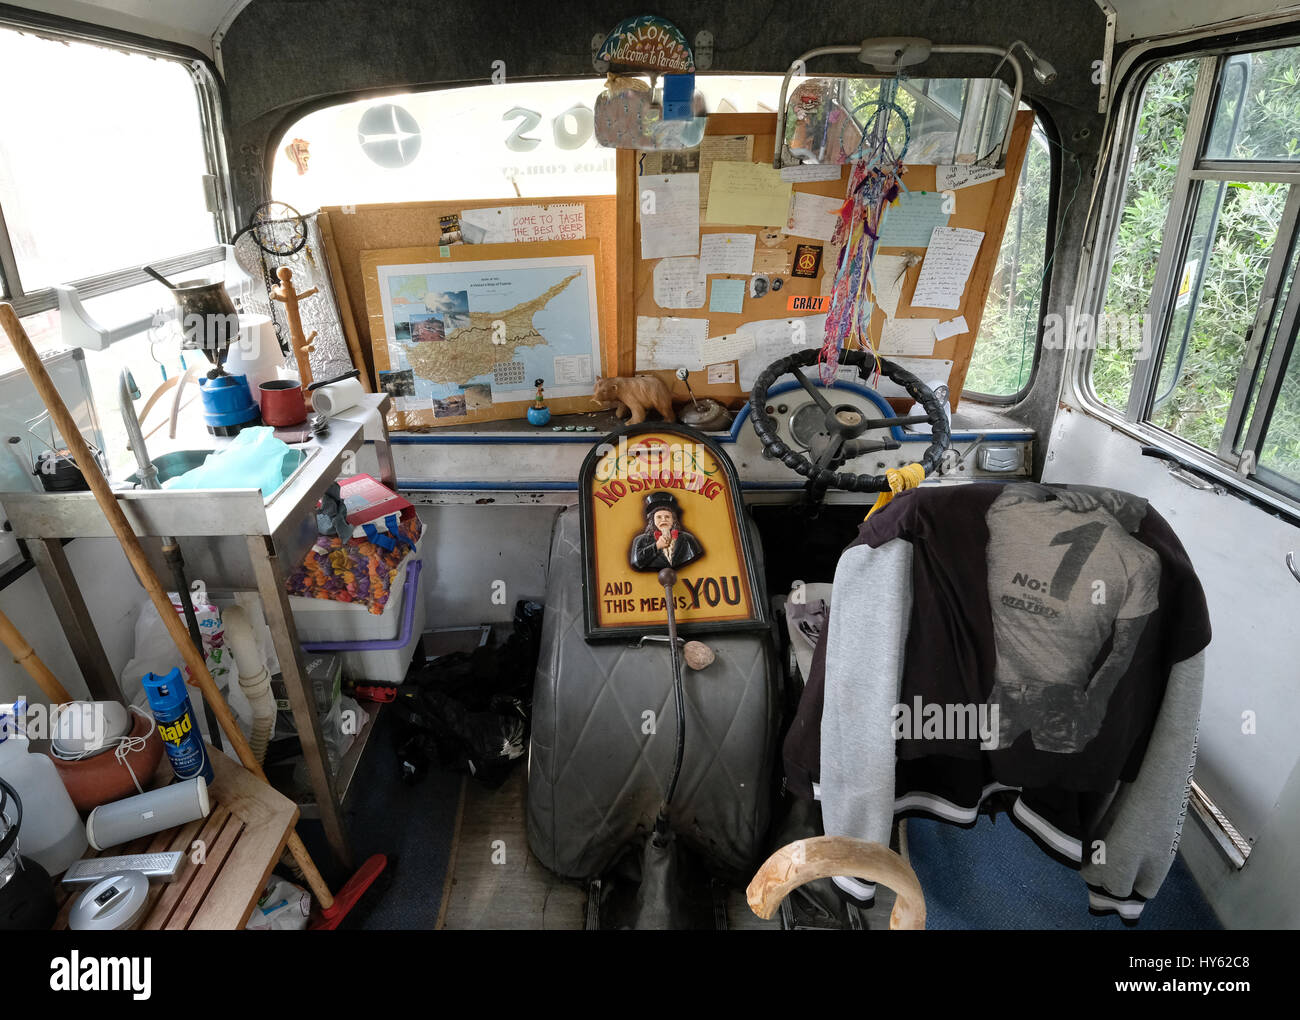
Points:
(477, 341)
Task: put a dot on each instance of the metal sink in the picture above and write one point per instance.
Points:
(170, 465)
(177, 462)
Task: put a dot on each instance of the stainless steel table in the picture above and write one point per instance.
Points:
(231, 539)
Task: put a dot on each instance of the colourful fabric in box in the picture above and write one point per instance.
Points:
(357, 570)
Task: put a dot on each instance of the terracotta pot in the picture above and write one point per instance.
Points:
(101, 779)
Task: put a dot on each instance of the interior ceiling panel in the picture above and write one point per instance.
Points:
(1140, 19)
(191, 23)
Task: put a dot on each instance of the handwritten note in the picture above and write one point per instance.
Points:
(727, 253)
(524, 223)
(811, 172)
(721, 375)
(908, 336)
(948, 262)
(669, 209)
(679, 283)
(813, 216)
(725, 148)
(954, 178)
(910, 223)
(728, 347)
(669, 342)
(747, 194)
(776, 338)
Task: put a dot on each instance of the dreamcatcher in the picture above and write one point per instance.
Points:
(874, 183)
(278, 235)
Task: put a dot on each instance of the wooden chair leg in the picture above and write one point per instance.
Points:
(806, 860)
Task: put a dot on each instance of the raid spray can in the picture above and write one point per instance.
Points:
(170, 703)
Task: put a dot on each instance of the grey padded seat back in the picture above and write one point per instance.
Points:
(596, 778)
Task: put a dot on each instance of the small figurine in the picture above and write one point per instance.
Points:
(539, 414)
(634, 395)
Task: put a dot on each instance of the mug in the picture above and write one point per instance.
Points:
(282, 403)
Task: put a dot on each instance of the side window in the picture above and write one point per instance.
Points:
(107, 163)
(1199, 317)
(1003, 359)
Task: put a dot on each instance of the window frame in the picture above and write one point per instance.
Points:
(210, 98)
(1237, 470)
(1055, 193)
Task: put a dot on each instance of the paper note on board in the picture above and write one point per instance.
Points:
(721, 375)
(910, 222)
(953, 327)
(949, 259)
(669, 342)
(813, 216)
(773, 261)
(572, 369)
(811, 172)
(669, 209)
(724, 148)
(777, 338)
(954, 178)
(679, 283)
(524, 223)
(888, 274)
(728, 347)
(931, 371)
(747, 194)
(727, 297)
(727, 253)
(908, 336)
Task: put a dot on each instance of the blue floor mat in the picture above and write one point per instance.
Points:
(993, 876)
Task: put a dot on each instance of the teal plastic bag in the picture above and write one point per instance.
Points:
(254, 459)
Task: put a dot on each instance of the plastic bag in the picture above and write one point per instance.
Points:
(282, 906)
(255, 458)
(155, 652)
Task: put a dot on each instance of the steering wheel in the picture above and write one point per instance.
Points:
(844, 424)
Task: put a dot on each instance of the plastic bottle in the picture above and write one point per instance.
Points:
(177, 725)
(52, 834)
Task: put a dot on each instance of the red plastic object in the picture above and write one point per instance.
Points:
(383, 694)
(346, 898)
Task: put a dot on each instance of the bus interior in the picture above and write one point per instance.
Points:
(473, 468)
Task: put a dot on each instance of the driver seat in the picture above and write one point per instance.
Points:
(598, 760)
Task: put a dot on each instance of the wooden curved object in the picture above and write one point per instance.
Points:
(806, 860)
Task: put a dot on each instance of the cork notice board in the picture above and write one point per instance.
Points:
(984, 207)
(350, 230)
(498, 343)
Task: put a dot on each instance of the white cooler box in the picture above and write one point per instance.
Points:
(374, 647)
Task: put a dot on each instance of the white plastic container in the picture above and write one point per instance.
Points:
(375, 646)
(52, 833)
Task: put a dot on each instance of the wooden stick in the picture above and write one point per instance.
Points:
(148, 578)
(25, 655)
(285, 293)
(806, 860)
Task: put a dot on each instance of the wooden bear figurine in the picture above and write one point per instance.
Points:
(633, 395)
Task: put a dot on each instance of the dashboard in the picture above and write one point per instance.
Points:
(515, 463)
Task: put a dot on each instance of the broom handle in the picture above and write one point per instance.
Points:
(148, 578)
(25, 655)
